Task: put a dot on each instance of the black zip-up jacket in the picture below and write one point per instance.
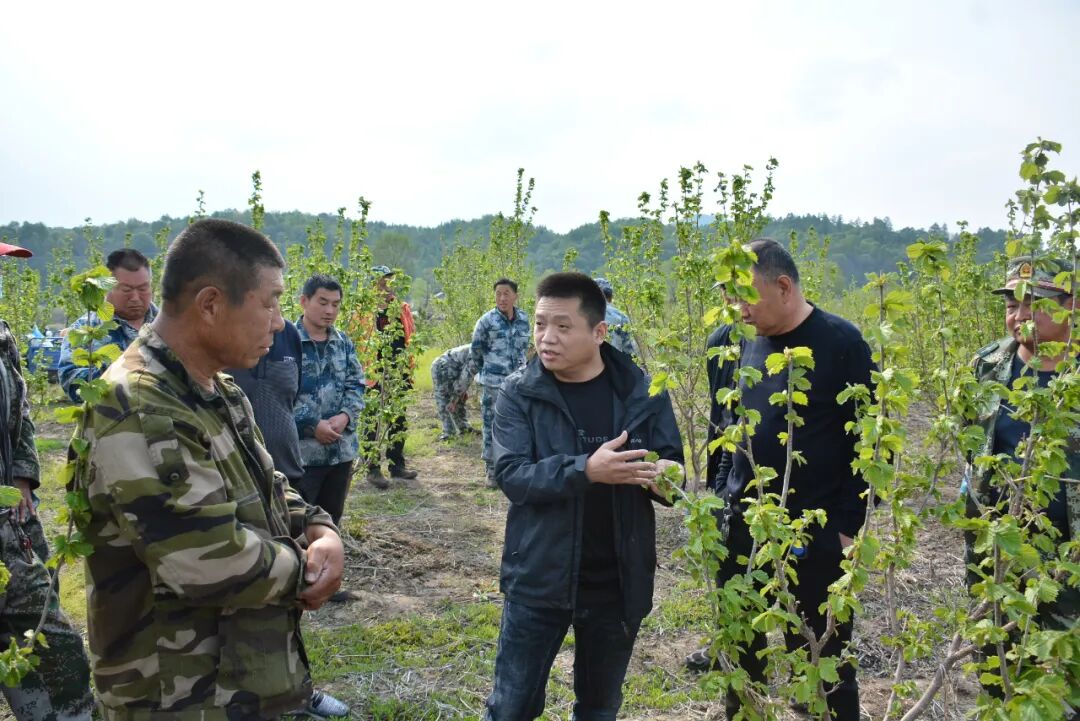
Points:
(540, 466)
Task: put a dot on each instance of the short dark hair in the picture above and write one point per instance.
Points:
(320, 280)
(608, 294)
(575, 285)
(773, 260)
(505, 281)
(220, 253)
(128, 259)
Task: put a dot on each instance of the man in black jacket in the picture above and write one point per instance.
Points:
(570, 435)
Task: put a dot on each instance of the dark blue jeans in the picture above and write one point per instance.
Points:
(529, 639)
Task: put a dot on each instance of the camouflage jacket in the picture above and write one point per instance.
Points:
(123, 335)
(16, 413)
(333, 382)
(198, 549)
(994, 364)
(618, 332)
(499, 345)
(454, 370)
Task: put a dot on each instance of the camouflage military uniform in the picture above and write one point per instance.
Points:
(994, 363)
(618, 334)
(333, 382)
(198, 550)
(60, 686)
(498, 349)
(451, 375)
(123, 335)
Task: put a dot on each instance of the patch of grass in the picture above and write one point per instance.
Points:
(657, 689)
(420, 442)
(50, 445)
(460, 637)
(422, 379)
(684, 608)
(73, 594)
(394, 502)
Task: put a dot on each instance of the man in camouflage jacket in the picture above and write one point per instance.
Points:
(331, 398)
(130, 297)
(499, 343)
(618, 323)
(203, 556)
(1002, 362)
(451, 375)
(59, 688)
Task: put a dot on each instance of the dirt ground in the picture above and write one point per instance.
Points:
(447, 547)
(438, 539)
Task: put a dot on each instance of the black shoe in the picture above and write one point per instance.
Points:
(444, 437)
(700, 661)
(403, 473)
(377, 479)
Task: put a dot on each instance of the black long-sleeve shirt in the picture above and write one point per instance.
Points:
(826, 480)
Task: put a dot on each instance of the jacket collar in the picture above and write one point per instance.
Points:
(332, 333)
(626, 378)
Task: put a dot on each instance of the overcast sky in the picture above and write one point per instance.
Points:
(916, 111)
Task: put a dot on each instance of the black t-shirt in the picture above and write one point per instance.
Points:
(1008, 432)
(591, 406)
(841, 357)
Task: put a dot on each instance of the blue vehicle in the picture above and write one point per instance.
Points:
(43, 351)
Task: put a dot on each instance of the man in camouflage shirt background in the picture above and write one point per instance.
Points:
(1004, 361)
(500, 340)
(451, 375)
(131, 298)
(203, 557)
(59, 688)
(331, 398)
(618, 323)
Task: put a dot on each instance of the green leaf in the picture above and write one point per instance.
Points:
(1028, 170)
(10, 496)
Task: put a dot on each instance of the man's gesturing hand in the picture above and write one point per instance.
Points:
(325, 563)
(608, 465)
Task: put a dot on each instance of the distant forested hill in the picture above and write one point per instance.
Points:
(857, 247)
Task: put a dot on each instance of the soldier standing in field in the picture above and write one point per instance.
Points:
(618, 323)
(59, 688)
(1005, 361)
(451, 375)
(203, 556)
(499, 343)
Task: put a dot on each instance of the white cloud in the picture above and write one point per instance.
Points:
(913, 111)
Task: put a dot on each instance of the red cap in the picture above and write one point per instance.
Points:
(14, 250)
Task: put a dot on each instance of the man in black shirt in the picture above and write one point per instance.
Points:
(783, 319)
(570, 434)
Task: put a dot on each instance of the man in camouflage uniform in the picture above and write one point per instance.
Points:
(203, 556)
(618, 323)
(1004, 361)
(59, 688)
(499, 343)
(331, 398)
(131, 299)
(451, 375)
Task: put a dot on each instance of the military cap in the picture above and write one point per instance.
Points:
(381, 271)
(1038, 273)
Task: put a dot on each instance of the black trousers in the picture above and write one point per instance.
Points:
(816, 571)
(395, 451)
(327, 487)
